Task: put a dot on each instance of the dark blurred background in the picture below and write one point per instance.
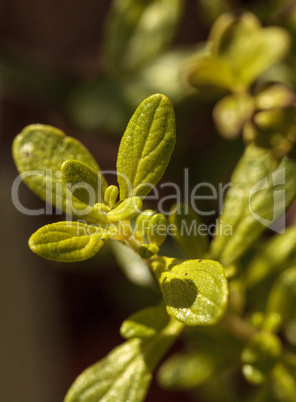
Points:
(57, 319)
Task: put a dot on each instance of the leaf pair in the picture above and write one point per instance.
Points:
(240, 50)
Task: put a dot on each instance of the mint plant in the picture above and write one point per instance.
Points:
(213, 297)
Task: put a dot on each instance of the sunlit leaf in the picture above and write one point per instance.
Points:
(67, 241)
(195, 291)
(39, 152)
(146, 146)
(85, 183)
(145, 323)
(129, 208)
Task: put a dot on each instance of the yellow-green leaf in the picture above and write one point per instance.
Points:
(129, 208)
(146, 146)
(39, 152)
(67, 241)
(145, 323)
(195, 291)
(124, 374)
(85, 184)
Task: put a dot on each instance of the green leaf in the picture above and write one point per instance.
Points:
(211, 74)
(284, 384)
(67, 241)
(259, 357)
(188, 370)
(145, 323)
(262, 188)
(86, 184)
(282, 297)
(230, 114)
(137, 31)
(157, 229)
(129, 208)
(146, 146)
(186, 230)
(248, 48)
(274, 255)
(195, 291)
(124, 374)
(39, 152)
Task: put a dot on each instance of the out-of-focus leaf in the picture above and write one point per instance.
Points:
(186, 370)
(85, 183)
(282, 297)
(39, 152)
(186, 229)
(137, 30)
(248, 48)
(283, 384)
(260, 356)
(273, 256)
(212, 9)
(67, 241)
(274, 96)
(262, 188)
(195, 291)
(230, 114)
(211, 74)
(146, 146)
(124, 374)
(135, 269)
(145, 323)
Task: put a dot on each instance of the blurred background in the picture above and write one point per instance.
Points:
(84, 67)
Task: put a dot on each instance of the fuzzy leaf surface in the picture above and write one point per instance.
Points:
(146, 146)
(85, 182)
(39, 152)
(195, 292)
(67, 241)
(145, 323)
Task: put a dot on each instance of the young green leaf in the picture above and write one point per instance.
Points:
(124, 375)
(195, 291)
(186, 225)
(282, 298)
(259, 357)
(188, 370)
(250, 205)
(129, 208)
(39, 152)
(157, 230)
(146, 146)
(145, 323)
(67, 241)
(131, 38)
(85, 184)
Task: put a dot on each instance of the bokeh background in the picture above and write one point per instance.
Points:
(57, 319)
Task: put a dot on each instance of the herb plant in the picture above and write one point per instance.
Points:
(231, 299)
